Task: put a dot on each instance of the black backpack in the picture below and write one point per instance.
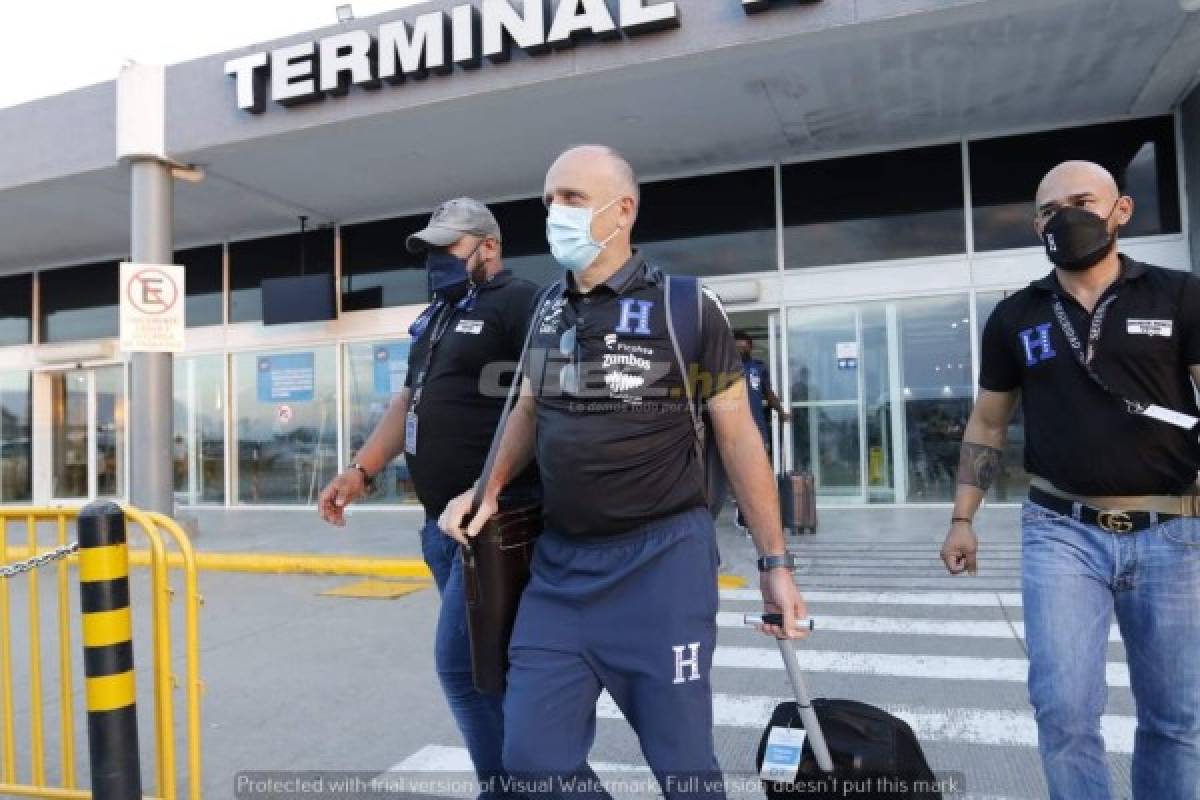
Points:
(684, 299)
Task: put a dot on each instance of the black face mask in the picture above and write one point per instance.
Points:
(1076, 239)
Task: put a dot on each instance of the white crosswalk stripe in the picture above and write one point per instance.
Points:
(964, 599)
(972, 726)
(952, 668)
(905, 626)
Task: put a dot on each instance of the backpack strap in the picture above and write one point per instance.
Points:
(684, 321)
(514, 391)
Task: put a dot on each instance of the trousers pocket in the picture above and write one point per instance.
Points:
(1184, 531)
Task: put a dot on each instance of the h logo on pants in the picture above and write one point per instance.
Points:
(692, 662)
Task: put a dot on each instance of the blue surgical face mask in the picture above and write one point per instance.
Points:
(569, 232)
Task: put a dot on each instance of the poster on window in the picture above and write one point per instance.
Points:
(391, 367)
(286, 378)
(847, 355)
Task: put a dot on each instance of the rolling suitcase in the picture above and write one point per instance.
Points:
(798, 502)
(844, 748)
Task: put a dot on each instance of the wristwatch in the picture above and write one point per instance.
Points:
(368, 478)
(767, 563)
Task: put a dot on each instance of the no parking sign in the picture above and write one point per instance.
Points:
(152, 300)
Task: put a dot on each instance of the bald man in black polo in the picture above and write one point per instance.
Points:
(623, 593)
(1104, 355)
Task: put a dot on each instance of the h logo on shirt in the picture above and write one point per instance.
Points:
(629, 315)
(691, 663)
(1037, 344)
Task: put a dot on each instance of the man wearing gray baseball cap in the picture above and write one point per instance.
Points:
(443, 421)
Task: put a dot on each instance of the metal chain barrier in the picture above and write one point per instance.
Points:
(33, 562)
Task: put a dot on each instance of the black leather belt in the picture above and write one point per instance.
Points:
(1111, 520)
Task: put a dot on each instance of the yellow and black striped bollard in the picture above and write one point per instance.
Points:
(108, 653)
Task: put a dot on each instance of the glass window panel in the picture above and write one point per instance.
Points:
(110, 431)
(1005, 174)
(377, 269)
(199, 439)
(203, 282)
(286, 425)
(1012, 482)
(935, 361)
(16, 309)
(374, 372)
(274, 257)
(15, 437)
(69, 445)
(902, 204)
(708, 225)
(526, 253)
(79, 302)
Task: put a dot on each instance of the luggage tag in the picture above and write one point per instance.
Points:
(781, 761)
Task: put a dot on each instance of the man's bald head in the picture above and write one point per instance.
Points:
(600, 167)
(598, 178)
(1076, 177)
(1081, 184)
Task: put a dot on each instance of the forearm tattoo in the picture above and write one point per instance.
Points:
(978, 464)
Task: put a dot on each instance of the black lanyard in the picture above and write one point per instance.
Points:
(1085, 357)
(442, 318)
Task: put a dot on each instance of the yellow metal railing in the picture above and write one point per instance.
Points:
(158, 530)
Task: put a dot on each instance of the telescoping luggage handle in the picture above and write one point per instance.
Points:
(812, 725)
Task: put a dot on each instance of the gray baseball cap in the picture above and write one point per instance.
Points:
(451, 221)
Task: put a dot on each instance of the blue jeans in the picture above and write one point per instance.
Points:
(479, 716)
(1074, 576)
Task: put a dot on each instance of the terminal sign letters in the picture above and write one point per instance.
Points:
(437, 41)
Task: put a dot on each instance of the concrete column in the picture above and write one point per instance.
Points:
(150, 401)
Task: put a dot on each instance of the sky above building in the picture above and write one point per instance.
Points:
(50, 48)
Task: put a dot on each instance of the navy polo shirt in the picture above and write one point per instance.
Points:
(758, 383)
(1077, 436)
(616, 447)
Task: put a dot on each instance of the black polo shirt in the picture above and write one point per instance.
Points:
(455, 419)
(1077, 436)
(620, 452)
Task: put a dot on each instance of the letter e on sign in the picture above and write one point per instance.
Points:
(152, 308)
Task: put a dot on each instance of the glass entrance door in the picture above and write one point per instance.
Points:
(88, 433)
(826, 391)
(880, 393)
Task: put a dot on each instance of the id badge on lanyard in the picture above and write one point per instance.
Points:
(410, 433)
(440, 315)
(1084, 356)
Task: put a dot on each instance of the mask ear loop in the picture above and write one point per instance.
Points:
(613, 235)
(467, 260)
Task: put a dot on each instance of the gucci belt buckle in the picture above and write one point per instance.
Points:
(1115, 521)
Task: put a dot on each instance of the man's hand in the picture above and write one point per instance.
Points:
(453, 521)
(339, 493)
(958, 552)
(780, 596)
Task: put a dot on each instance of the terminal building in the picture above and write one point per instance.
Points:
(854, 178)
